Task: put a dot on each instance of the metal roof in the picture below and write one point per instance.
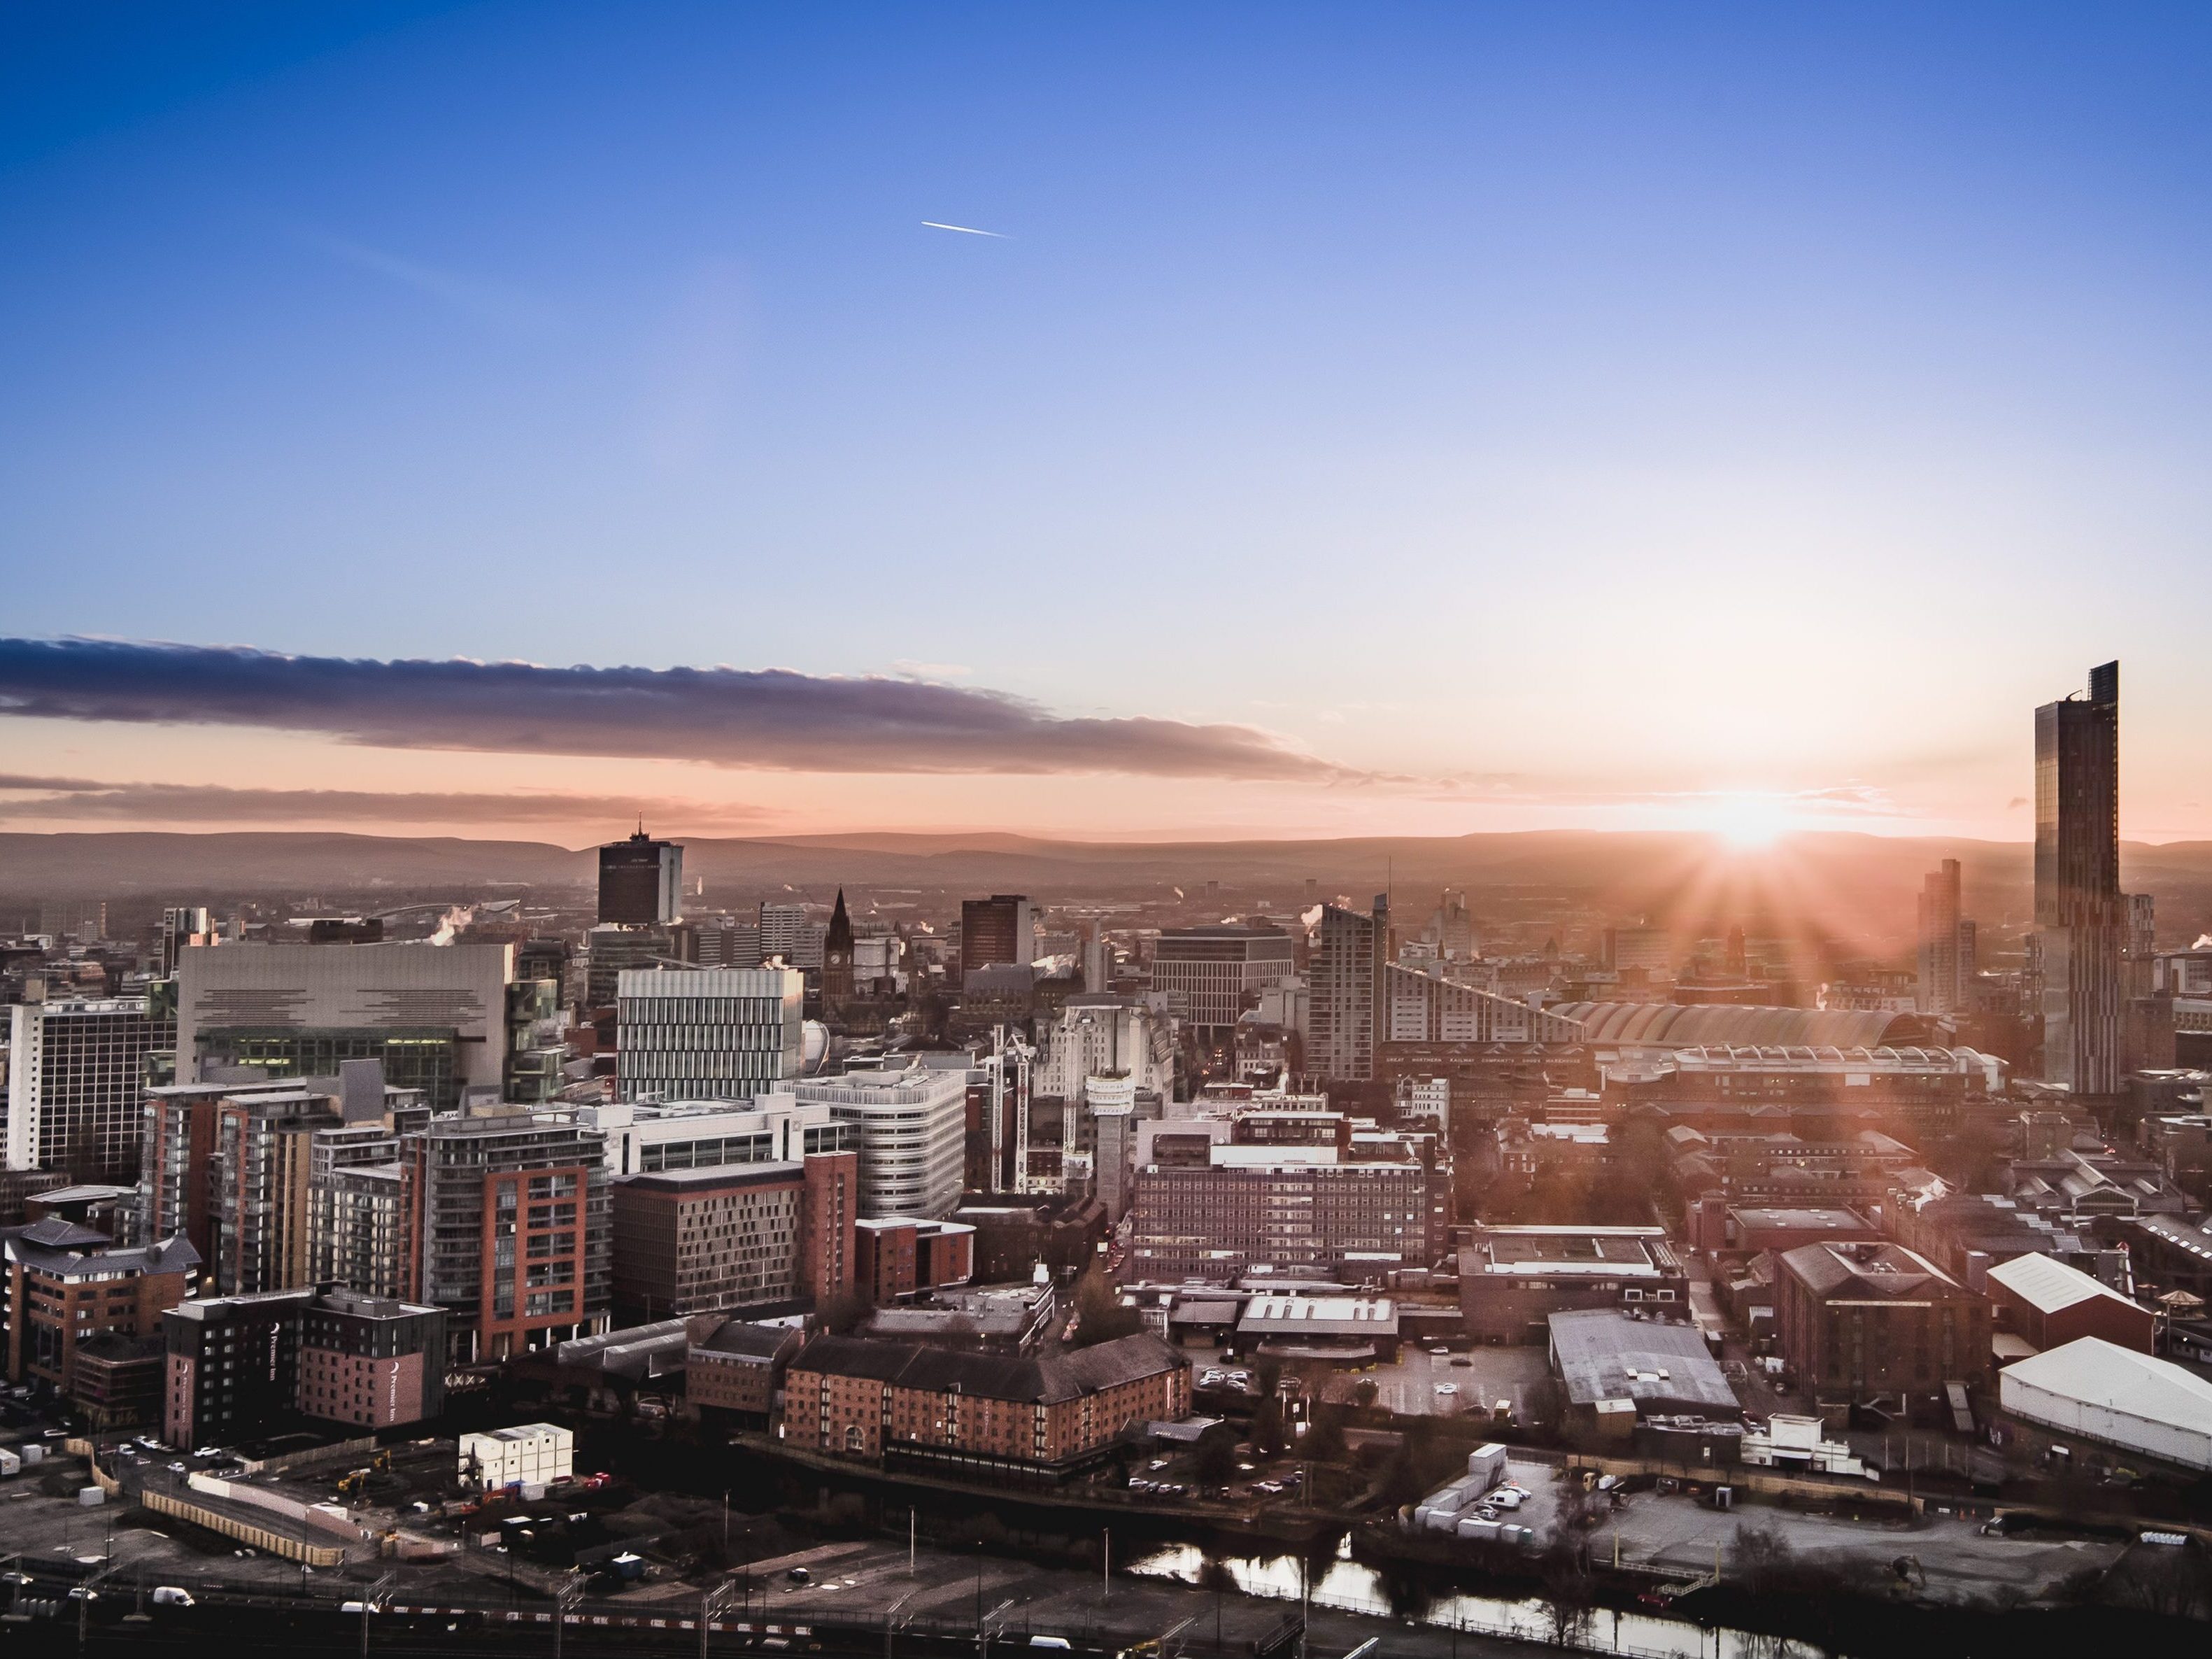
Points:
(1604, 1355)
(2048, 1285)
(2096, 1373)
(1725, 1025)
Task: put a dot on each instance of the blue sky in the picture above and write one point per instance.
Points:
(1538, 414)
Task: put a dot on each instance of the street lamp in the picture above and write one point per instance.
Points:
(369, 1599)
(570, 1592)
(716, 1601)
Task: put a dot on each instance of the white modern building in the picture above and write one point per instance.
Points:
(708, 1033)
(534, 1454)
(913, 1127)
(1099, 1033)
(1208, 975)
(645, 1138)
(789, 931)
(76, 1083)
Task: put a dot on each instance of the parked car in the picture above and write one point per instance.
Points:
(1447, 1387)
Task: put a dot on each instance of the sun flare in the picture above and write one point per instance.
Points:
(1749, 822)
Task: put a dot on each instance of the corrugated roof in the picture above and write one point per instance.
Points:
(2100, 1373)
(2048, 1285)
(1605, 1355)
(1673, 1026)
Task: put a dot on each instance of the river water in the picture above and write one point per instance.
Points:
(1354, 1586)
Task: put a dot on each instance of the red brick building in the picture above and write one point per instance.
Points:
(734, 1235)
(900, 1256)
(2050, 1304)
(1860, 1322)
(65, 1285)
(1034, 1416)
(738, 1368)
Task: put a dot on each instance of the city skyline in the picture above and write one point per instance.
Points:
(1462, 421)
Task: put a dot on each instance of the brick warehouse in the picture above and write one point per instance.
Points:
(1036, 1418)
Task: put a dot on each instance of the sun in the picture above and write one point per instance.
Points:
(1748, 821)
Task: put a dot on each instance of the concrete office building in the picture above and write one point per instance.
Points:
(435, 1015)
(506, 1220)
(790, 932)
(1293, 1211)
(76, 1072)
(1210, 975)
(1349, 952)
(2081, 914)
(1113, 1154)
(1099, 1034)
(1423, 1004)
(912, 1127)
(1946, 977)
(645, 1137)
(640, 881)
(709, 1033)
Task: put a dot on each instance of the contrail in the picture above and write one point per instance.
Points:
(969, 230)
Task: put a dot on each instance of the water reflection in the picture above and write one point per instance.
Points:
(1351, 1587)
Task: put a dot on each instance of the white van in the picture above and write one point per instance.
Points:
(173, 1595)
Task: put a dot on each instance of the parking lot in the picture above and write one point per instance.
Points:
(1477, 1379)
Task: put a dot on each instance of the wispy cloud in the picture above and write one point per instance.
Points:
(47, 799)
(772, 718)
(509, 309)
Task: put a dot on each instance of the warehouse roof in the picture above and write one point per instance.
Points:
(2048, 1285)
(2099, 1373)
(1604, 1355)
(1040, 1379)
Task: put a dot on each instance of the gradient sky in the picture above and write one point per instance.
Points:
(1536, 414)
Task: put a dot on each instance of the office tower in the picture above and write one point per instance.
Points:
(507, 1230)
(610, 951)
(1947, 946)
(998, 932)
(912, 1128)
(1097, 1034)
(1211, 974)
(640, 881)
(1349, 952)
(734, 1237)
(2081, 915)
(1114, 1132)
(789, 932)
(728, 941)
(837, 959)
(437, 1016)
(77, 1073)
(708, 1033)
(1452, 928)
(182, 925)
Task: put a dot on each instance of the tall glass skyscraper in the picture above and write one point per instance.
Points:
(2081, 915)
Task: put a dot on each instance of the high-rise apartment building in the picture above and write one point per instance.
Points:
(1350, 953)
(998, 932)
(264, 1159)
(2081, 914)
(77, 1073)
(1946, 982)
(507, 1229)
(1211, 974)
(708, 1033)
(912, 1127)
(357, 1228)
(640, 881)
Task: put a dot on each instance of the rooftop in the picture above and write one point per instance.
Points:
(1603, 1355)
(1028, 1379)
(2048, 1285)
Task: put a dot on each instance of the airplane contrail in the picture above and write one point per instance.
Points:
(969, 230)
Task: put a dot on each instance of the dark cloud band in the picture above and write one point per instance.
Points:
(772, 718)
(25, 799)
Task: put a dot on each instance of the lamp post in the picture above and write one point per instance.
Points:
(713, 1602)
(368, 1601)
(570, 1592)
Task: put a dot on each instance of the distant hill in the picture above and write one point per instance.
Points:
(1852, 887)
